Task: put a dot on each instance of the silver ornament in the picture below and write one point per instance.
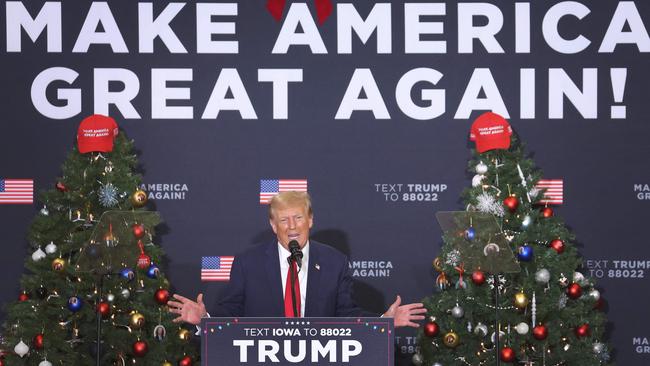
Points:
(38, 255)
(417, 359)
(594, 294)
(50, 248)
(45, 211)
(109, 167)
(477, 180)
(436, 364)
(110, 297)
(457, 312)
(481, 168)
(578, 278)
(108, 195)
(493, 337)
(481, 329)
(125, 293)
(525, 223)
(488, 203)
(45, 362)
(21, 349)
(598, 347)
(542, 276)
(522, 328)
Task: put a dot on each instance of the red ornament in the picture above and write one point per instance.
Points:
(511, 202)
(547, 212)
(574, 291)
(144, 261)
(557, 245)
(37, 342)
(507, 354)
(61, 187)
(23, 297)
(138, 230)
(104, 309)
(478, 277)
(2, 362)
(185, 361)
(161, 296)
(431, 329)
(140, 348)
(540, 332)
(583, 330)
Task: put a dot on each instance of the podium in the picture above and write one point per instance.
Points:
(297, 341)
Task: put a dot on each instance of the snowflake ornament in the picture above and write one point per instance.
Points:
(488, 203)
(108, 195)
(453, 258)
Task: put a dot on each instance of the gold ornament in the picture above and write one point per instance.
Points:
(167, 363)
(521, 300)
(58, 264)
(437, 265)
(139, 198)
(137, 320)
(184, 335)
(451, 340)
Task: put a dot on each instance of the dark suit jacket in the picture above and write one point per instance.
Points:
(255, 287)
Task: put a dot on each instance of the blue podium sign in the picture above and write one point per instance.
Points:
(297, 341)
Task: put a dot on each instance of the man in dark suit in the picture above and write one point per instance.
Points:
(260, 279)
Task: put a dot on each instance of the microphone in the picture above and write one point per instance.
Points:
(296, 253)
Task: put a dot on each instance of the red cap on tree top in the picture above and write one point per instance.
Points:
(96, 134)
(490, 131)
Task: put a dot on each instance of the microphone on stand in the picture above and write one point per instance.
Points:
(296, 253)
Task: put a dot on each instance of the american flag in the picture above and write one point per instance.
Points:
(554, 191)
(216, 268)
(16, 191)
(271, 187)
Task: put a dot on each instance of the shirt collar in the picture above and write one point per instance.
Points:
(284, 253)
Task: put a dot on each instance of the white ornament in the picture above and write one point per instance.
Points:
(50, 248)
(481, 168)
(493, 338)
(481, 329)
(533, 310)
(526, 222)
(477, 180)
(522, 328)
(21, 349)
(457, 312)
(542, 276)
(594, 294)
(45, 363)
(488, 203)
(38, 255)
(417, 359)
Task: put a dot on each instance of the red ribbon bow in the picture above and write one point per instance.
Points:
(323, 9)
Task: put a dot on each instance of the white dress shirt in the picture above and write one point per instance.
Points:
(283, 254)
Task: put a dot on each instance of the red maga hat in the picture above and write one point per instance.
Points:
(490, 131)
(96, 134)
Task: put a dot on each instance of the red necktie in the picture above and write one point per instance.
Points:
(288, 304)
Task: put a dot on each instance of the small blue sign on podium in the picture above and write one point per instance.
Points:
(297, 341)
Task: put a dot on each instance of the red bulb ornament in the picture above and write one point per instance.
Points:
(140, 348)
(547, 212)
(574, 291)
(583, 330)
(431, 329)
(23, 297)
(478, 277)
(104, 309)
(558, 246)
(61, 187)
(507, 354)
(161, 296)
(37, 342)
(138, 230)
(540, 332)
(185, 361)
(511, 202)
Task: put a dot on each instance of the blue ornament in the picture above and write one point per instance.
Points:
(470, 233)
(525, 253)
(127, 274)
(153, 271)
(74, 304)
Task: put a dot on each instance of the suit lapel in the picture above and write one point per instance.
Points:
(275, 279)
(313, 282)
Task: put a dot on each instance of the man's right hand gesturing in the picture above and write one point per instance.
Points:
(188, 311)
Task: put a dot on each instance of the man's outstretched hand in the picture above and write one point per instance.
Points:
(404, 315)
(188, 311)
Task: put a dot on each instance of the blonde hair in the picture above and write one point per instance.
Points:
(290, 199)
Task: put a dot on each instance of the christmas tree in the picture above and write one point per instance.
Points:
(94, 264)
(546, 313)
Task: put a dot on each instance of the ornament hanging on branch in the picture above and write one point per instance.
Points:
(520, 300)
(153, 271)
(574, 291)
(61, 187)
(525, 253)
(104, 309)
(140, 348)
(478, 277)
(139, 198)
(144, 261)
(38, 341)
(547, 212)
(582, 330)
(507, 354)
(431, 328)
(557, 245)
(74, 304)
(185, 361)
(485, 202)
(137, 320)
(21, 349)
(451, 339)
(58, 264)
(108, 195)
(51, 248)
(38, 255)
(138, 230)
(23, 296)
(511, 202)
(161, 296)
(540, 332)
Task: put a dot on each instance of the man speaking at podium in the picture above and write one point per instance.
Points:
(261, 278)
